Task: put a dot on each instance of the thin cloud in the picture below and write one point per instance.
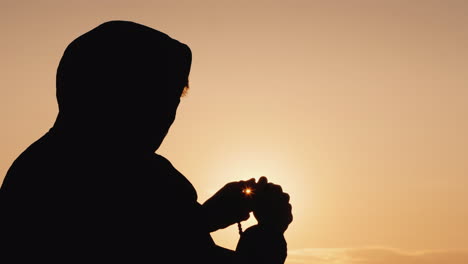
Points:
(375, 255)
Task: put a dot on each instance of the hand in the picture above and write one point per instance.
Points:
(271, 206)
(229, 205)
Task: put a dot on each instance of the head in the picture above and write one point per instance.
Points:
(122, 82)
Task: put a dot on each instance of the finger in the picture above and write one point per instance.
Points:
(262, 183)
(263, 180)
(283, 206)
(286, 212)
(233, 185)
(245, 217)
(290, 216)
(274, 188)
(250, 183)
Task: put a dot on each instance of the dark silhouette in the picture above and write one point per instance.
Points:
(93, 190)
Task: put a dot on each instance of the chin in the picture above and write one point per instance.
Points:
(156, 143)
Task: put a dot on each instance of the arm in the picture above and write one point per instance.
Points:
(256, 246)
(260, 245)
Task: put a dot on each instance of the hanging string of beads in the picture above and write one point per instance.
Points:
(239, 226)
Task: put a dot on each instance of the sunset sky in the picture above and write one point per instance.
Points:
(359, 109)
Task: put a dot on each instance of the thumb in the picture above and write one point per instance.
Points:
(245, 217)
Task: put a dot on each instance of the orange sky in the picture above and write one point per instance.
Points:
(358, 108)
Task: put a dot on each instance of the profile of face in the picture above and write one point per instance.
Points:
(150, 126)
(125, 81)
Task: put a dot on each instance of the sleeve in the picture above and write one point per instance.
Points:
(259, 245)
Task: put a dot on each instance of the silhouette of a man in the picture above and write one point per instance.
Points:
(92, 189)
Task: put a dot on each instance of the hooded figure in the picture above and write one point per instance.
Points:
(92, 188)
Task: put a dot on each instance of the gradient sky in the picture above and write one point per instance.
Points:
(357, 108)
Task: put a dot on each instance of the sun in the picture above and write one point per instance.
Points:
(247, 191)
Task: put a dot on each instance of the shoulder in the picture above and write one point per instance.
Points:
(29, 162)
